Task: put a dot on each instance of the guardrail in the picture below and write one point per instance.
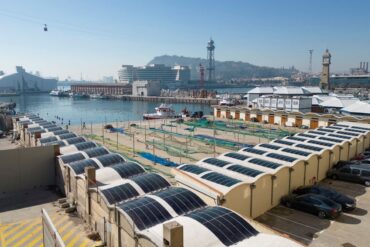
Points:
(51, 237)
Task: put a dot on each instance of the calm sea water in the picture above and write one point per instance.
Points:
(90, 110)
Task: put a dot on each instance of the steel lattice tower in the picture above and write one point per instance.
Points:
(211, 60)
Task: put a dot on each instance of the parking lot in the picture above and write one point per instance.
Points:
(349, 229)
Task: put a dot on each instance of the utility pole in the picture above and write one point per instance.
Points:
(214, 137)
(310, 64)
(133, 144)
(154, 159)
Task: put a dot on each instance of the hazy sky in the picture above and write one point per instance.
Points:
(95, 37)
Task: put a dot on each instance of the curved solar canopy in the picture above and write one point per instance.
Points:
(75, 140)
(79, 166)
(110, 159)
(96, 151)
(48, 139)
(119, 193)
(85, 145)
(127, 169)
(60, 132)
(193, 169)
(66, 136)
(145, 212)
(150, 182)
(226, 225)
(69, 158)
(221, 179)
(180, 199)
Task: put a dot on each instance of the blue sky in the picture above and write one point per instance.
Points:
(95, 37)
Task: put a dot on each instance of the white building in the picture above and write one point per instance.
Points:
(146, 88)
(288, 104)
(126, 74)
(23, 82)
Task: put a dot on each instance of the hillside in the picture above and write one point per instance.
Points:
(225, 70)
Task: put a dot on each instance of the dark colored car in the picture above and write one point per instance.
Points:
(348, 203)
(352, 173)
(313, 204)
(197, 114)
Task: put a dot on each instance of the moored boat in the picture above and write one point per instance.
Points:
(163, 111)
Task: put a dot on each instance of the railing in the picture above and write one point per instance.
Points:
(51, 237)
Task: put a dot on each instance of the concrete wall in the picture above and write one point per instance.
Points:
(26, 168)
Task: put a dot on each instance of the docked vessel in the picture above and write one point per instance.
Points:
(98, 96)
(162, 112)
(58, 93)
(227, 102)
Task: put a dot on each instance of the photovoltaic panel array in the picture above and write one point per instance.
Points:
(321, 143)
(127, 169)
(216, 162)
(48, 139)
(244, 170)
(227, 226)
(181, 200)
(66, 136)
(281, 157)
(340, 136)
(51, 129)
(325, 130)
(96, 151)
(193, 169)
(221, 179)
(60, 143)
(264, 163)
(360, 128)
(110, 159)
(330, 139)
(269, 146)
(355, 130)
(309, 147)
(145, 212)
(60, 132)
(150, 182)
(347, 133)
(294, 138)
(295, 151)
(284, 142)
(306, 135)
(69, 158)
(84, 145)
(119, 193)
(79, 166)
(254, 151)
(75, 140)
(237, 156)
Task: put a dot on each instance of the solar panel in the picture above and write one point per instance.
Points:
(48, 139)
(316, 132)
(69, 158)
(127, 169)
(355, 130)
(237, 156)
(332, 127)
(226, 225)
(181, 200)
(219, 178)
(254, 151)
(295, 151)
(60, 132)
(60, 143)
(340, 136)
(325, 130)
(119, 193)
(341, 125)
(281, 157)
(216, 162)
(309, 147)
(84, 145)
(193, 169)
(357, 127)
(96, 151)
(347, 133)
(295, 138)
(110, 159)
(75, 140)
(79, 166)
(244, 170)
(306, 135)
(66, 136)
(320, 143)
(330, 139)
(284, 142)
(270, 146)
(145, 212)
(150, 182)
(265, 163)
(54, 129)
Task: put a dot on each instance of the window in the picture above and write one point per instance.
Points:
(356, 172)
(365, 173)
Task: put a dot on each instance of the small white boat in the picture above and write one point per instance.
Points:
(227, 102)
(163, 111)
(98, 96)
(58, 93)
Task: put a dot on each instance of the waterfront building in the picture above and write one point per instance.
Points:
(288, 104)
(23, 82)
(182, 73)
(325, 76)
(146, 88)
(102, 88)
(126, 74)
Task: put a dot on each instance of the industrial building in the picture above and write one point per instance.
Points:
(290, 104)
(102, 88)
(128, 206)
(23, 82)
(253, 180)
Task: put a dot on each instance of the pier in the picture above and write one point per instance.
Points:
(188, 100)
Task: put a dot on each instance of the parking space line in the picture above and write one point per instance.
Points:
(295, 222)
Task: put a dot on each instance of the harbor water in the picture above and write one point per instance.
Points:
(90, 110)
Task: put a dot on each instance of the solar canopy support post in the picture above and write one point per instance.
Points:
(252, 187)
(133, 144)
(214, 137)
(304, 173)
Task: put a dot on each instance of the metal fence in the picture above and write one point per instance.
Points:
(51, 237)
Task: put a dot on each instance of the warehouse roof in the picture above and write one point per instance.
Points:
(360, 107)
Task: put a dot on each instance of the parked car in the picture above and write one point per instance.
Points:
(314, 204)
(364, 162)
(351, 172)
(348, 203)
(304, 127)
(197, 114)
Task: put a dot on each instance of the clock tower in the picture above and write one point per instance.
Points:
(326, 60)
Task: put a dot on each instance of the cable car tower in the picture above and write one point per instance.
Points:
(211, 60)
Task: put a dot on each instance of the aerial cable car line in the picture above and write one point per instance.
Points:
(57, 24)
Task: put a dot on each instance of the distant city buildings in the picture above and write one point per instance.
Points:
(154, 72)
(24, 82)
